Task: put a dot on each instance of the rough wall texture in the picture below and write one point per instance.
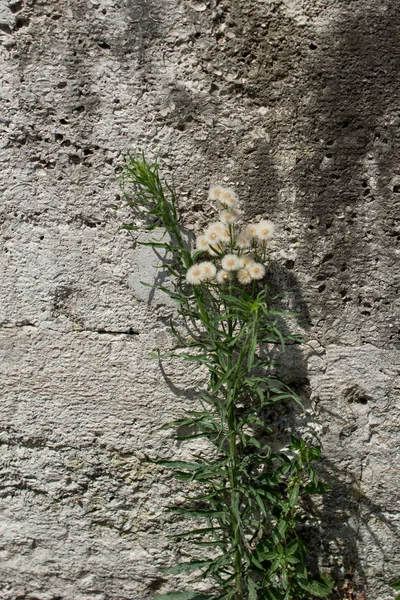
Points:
(297, 104)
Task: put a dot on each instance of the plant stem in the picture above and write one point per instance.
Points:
(233, 469)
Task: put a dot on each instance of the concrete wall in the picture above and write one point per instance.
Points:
(296, 103)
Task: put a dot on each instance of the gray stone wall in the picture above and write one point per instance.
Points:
(296, 103)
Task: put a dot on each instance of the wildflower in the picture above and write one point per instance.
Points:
(215, 192)
(229, 216)
(204, 271)
(265, 230)
(247, 260)
(256, 270)
(222, 276)
(251, 230)
(201, 243)
(194, 275)
(244, 276)
(228, 198)
(231, 262)
(208, 270)
(242, 241)
(215, 233)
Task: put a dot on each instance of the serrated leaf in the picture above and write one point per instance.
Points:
(252, 588)
(320, 586)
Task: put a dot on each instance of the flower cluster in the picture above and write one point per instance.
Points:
(237, 252)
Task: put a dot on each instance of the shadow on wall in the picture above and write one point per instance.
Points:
(343, 95)
(347, 176)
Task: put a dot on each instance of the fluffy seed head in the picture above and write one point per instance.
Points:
(215, 233)
(265, 230)
(251, 230)
(244, 276)
(231, 262)
(225, 197)
(229, 216)
(242, 241)
(228, 198)
(208, 270)
(247, 260)
(201, 243)
(222, 276)
(194, 275)
(215, 192)
(256, 270)
(204, 271)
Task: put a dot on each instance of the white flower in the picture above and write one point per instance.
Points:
(204, 271)
(244, 276)
(201, 243)
(242, 241)
(229, 216)
(247, 260)
(224, 196)
(215, 233)
(231, 262)
(215, 192)
(265, 230)
(228, 198)
(256, 270)
(208, 270)
(222, 276)
(251, 230)
(194, 275)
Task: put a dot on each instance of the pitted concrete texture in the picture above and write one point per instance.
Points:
(296, 105)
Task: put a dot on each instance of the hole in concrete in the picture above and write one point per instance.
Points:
(62, 84)
(104, 45)
(289, 264)
(21, 22)
(322, 288)
(15, 7)
(396, 189)
(313, 46)
(327, 257)
(58, 137)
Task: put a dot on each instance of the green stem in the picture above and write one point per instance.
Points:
(233, 474)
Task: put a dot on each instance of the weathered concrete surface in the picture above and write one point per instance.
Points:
(297, 105)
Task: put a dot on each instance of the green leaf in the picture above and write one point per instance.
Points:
(252, 588)
(193, 565)
(314, 453)
(195, 532)
(320, 586)
(209, 514)
(182, 596)
(320, 488)
(395, 585)
(294, 495)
